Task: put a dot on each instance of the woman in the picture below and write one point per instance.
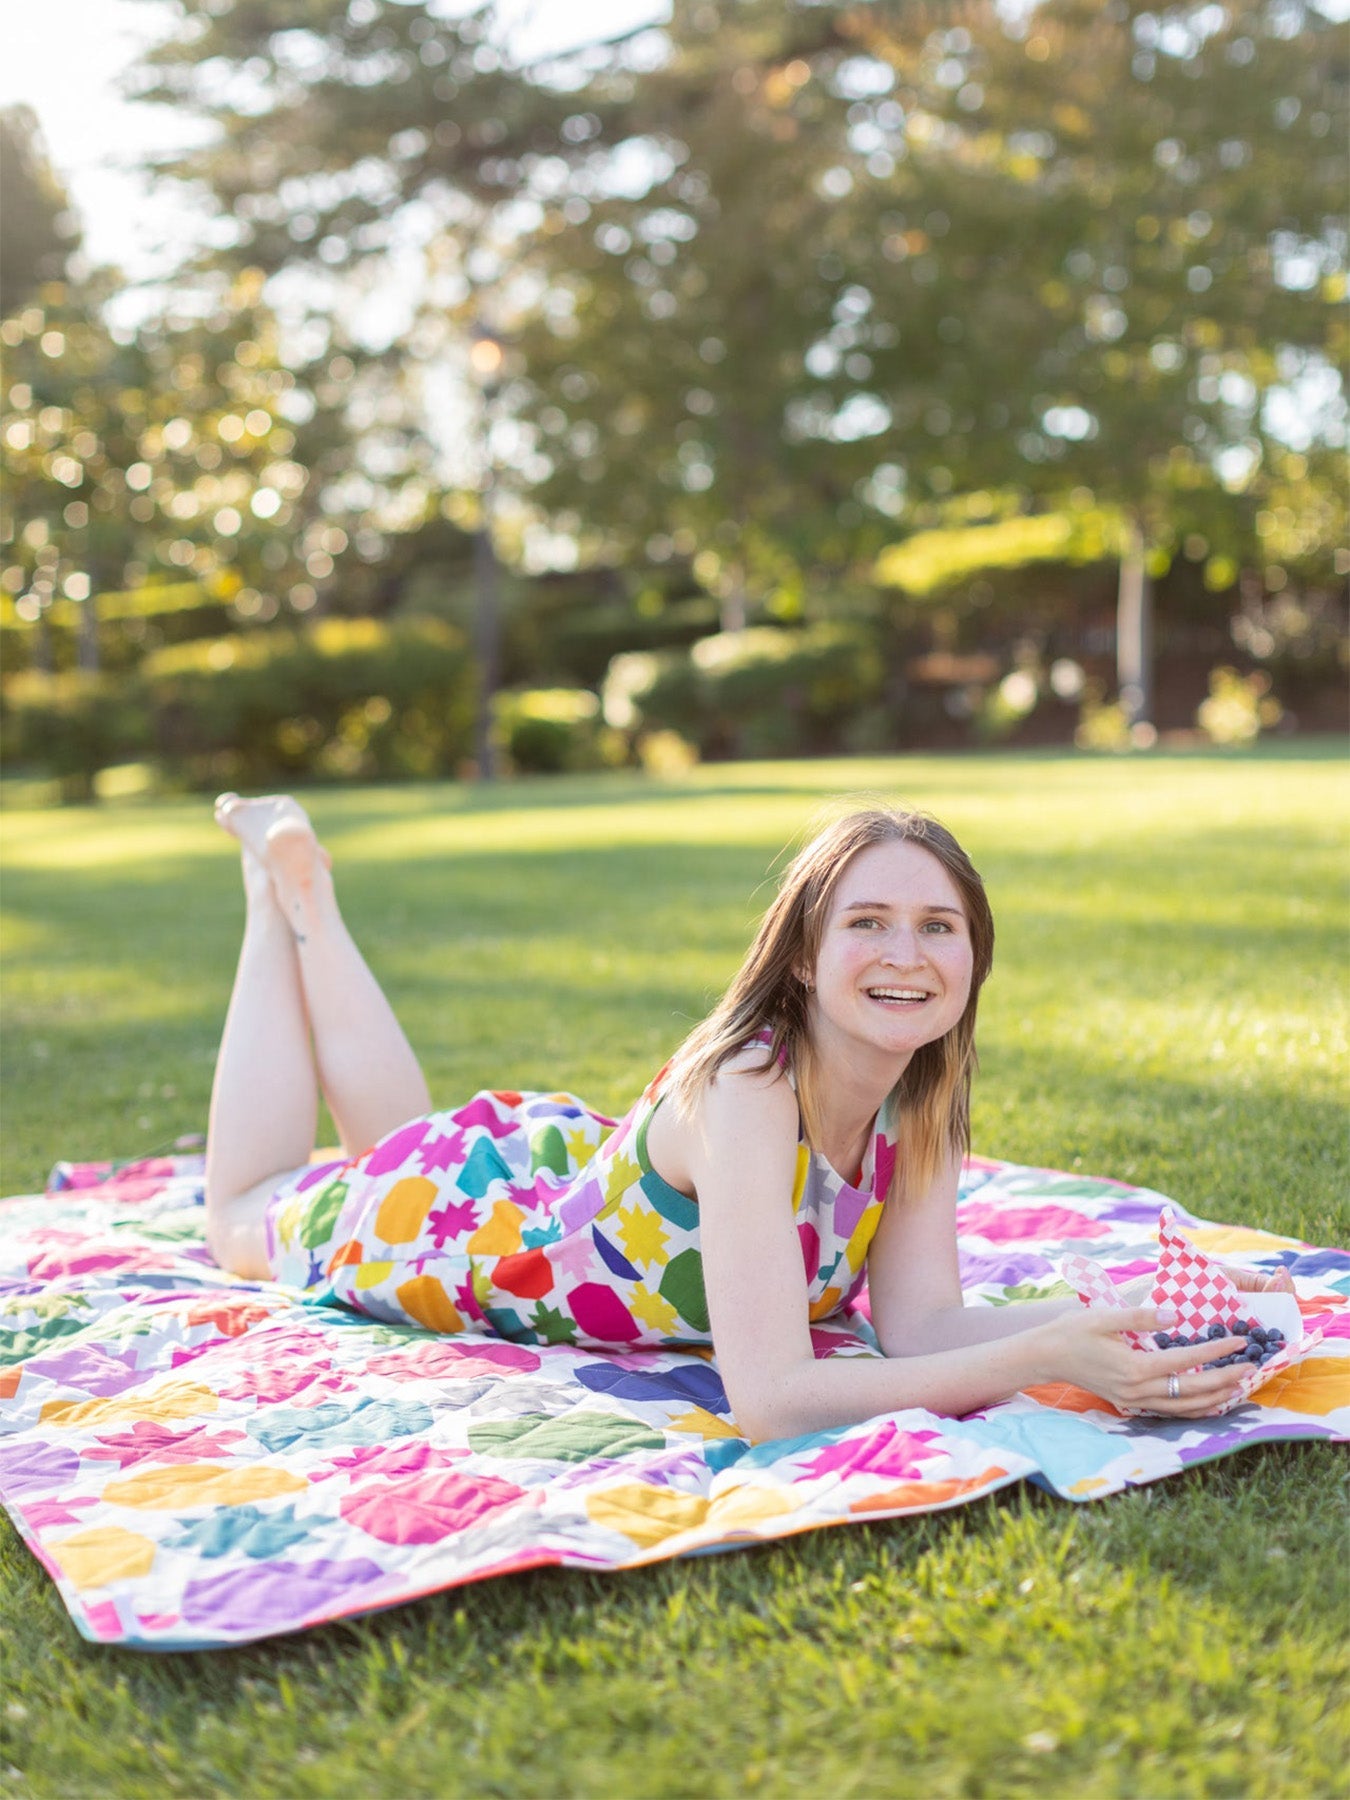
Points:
(806, 1136)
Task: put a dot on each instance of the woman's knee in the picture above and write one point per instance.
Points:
(236, 1230)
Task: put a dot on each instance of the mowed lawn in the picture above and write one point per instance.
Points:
(1168, 1006)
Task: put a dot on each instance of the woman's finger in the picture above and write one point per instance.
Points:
(1192, 1401)
(1132, 1318)
(1195, 1395)
(1256, 1281)
(1194, 1356)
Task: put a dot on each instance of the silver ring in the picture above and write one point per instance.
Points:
(1174, 1387)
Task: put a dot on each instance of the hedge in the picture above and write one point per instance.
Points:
(763, 692)
(339, 698)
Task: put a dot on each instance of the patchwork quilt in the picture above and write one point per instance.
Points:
(201, 1461)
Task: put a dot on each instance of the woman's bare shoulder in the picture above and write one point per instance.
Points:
(746, 1082)
(744, 1101)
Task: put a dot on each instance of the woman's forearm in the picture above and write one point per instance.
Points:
(820, 1395)
(956, 1326)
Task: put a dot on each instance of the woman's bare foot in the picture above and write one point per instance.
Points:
(282, 857)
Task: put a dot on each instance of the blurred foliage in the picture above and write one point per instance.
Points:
(555, 731)
(342, 698)
(764, 691)
(40, 231)
(904, 319)
(71, 725)
(189, 448)
(930, 560)
(893, 255)
(1239, 707)
(337, 699)
(1102, 724)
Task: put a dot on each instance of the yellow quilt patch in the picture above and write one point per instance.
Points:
(171, 1400)
(91, 1559)
(202, 1484)
(645, 1514)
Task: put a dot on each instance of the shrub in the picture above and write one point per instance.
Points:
(71, 724)
(582, 642)
(765, 691)
(666, 754)
(1239, 707)
(546, 731)
(342, 698)
(1102, 724)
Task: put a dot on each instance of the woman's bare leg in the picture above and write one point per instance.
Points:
(265, 1096)
(320, 987)
(366, 1068)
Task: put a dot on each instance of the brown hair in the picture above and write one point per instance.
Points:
(931, 1101)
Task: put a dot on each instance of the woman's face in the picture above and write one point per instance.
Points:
(894, 968)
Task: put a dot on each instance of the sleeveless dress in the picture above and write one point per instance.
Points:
(534, 1218)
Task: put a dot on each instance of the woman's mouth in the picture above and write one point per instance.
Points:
(899, 996)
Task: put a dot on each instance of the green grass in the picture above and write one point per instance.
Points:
(1168, 1006)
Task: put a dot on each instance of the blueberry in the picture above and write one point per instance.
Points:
(1254, 1354)
(1274, 1335)
(1217, 1331)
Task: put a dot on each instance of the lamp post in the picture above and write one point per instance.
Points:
(485, 360)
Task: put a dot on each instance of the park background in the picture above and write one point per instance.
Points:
(744, 345)
(733, 380)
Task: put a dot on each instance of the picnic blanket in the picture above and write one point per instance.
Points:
(201, 1461)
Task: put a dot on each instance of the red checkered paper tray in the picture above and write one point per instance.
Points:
(1201, 1293)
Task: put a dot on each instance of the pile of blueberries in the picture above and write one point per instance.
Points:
(1263, 1341)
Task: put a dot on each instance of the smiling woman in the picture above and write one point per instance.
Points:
(812, 1141)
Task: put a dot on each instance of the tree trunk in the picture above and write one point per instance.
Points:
(1134, 634)
(86, 648)
(731, 607)
(42, 643)
(487, 636)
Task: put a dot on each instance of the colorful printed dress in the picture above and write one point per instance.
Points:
(535, 1218)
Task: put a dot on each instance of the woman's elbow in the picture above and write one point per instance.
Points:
(758, 1408)
(774, 1403)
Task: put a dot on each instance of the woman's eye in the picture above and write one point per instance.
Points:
(859, 924)
(937, 925)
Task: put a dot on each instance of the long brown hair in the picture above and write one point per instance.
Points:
(931, 1100)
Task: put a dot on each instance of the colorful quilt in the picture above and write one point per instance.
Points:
(201, 1461)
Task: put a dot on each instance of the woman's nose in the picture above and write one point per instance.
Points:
(904, 947)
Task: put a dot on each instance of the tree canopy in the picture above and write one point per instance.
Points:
(775, 272)
(778, 283)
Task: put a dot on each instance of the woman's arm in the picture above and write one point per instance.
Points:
(914, 1282)
(740, 1147)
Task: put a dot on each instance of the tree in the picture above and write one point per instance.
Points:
(184, 453)
(38, 231)
(1131, 242)
(783, 272)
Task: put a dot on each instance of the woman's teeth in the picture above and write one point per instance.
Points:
(907, 994)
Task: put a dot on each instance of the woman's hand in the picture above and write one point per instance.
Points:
(1087, 1349)
(1252, 1281)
